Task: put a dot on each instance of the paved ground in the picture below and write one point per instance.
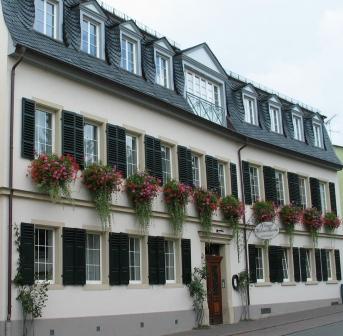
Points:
(326, 321)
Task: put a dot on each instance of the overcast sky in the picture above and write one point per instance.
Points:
(292, 46)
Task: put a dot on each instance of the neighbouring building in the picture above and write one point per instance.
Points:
(78, 78)
(339, 153)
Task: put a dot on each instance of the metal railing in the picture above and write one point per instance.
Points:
(206, 109)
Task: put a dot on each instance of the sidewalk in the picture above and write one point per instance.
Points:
(275, 325)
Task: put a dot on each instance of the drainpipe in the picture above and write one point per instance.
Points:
(244, 217)
(20, 52)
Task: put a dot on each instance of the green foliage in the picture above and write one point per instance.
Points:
(264, 211)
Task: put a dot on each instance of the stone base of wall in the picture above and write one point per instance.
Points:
(266, 310)
(152, 324)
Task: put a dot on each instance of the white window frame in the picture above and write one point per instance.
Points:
(136, 282)
(193, 155)
(170, 162)
(301, 178)
(318, 134)
(328, 255)
(137, 152)
(53, 280)
(285, 264)
(174, 258)
(298, 134)
(97, 140)
(254, 199)
(275, 115)
(249, 95)
(308, 256)
(167, 59)
(91, 21)
(279, 173)
(95, 282)
(222, 187)
(52, 113)
(261, 257)
(127, 39)
(323, 196)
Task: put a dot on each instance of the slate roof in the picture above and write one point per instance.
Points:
(19, 17)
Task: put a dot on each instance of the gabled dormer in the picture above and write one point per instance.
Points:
(275, 115)
(163, 56)
(249, 97)
(92, 21)
(317, 126)
(204, 83)
(130, 47)
(49, 18)
(298, 123)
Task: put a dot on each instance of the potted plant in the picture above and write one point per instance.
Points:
(53, 174)
(102, 181)
(331, 222)
(289, 216)
(263, 211)
(176, 196)
(206, 203)
(312, 221)
(232, 210)
(142, 189)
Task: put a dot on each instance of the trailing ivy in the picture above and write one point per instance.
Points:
(290, 215)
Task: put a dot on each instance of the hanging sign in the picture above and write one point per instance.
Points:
(266, 230)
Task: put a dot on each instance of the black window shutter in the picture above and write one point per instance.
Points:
(74, 256)
(338, 265)
(333, 197)
(303, 264)
(269, 183)
(116, 148)
(252, 263)
(185, 165)
(80, 257)
(246, 182)
(315, 193)
(114, 259)
(124, 259)
(72, 136)
(153, 260)
(296, 264)
(294, 189)
(27, 262)
(275, 254)
(28, 129)
(234, 184)
(161, 261)
(212, 173)
(319, 272)
(324, 264)
(186, 261)
(153, 158)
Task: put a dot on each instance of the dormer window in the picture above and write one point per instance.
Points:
(90, 37)
(318, 134)
(250, 105)
(275, 115)
(164, 53)
(162, 70)
(298, 126)
(48, 16)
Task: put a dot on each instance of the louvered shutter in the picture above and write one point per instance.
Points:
(72, 136)
(318, 258)
(294, 189)
(296, 264)
(275, 264)
(186, 261)
(28, 129)
(161, 261)
(246, 182)
(338, 265)
(315, 194)
(333, 197)
(124, 259)
(27, 262)
(153, 260)
(153, 158)
(252, 263)
(303, 264)
(114, 259)
(68, 256)
(324, 265)
(212, 173)
(116, 148)
(185, 165)
(234, 183)
(269, 183)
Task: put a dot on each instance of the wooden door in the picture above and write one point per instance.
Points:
(214, 289)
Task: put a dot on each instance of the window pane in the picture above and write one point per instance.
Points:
(90, 143)
(166, 163)
(135, 259)
(254, 184)
(196, 171)
(169, 260)
(43, 254)
(131, 154)
(280, 190)
(221, 176)
(43, 132)
(259, 264)
(93, 257)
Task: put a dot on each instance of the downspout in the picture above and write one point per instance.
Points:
(244, 216)
(21, 52)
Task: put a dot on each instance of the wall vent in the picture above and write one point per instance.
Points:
(98, 328)
(266, 310)
(52, 332)
(142, 324)
(334, 303)
(176, 321)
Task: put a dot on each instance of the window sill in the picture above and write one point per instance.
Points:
(95, 287)
(55, 287)
(311, 283)
(288, 283)
(137, 286)
(331, 282)
(263, 284)
(174, 285)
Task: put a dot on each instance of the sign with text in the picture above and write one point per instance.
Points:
(266, 230)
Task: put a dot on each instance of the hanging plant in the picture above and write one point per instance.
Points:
(53, 175)
(289, 216)
(102, 181)
(331, 222)
(176, 196)
(232, 210)
(206, 203)
(313, 221)
(142, 189)
(263, 211)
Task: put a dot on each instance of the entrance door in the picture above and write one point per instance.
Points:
(214, 289)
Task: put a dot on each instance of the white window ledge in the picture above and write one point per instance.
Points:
(96, 287)
(174, 285)
(331, 282)
(311, 283)
(263, 284)
(138, 286)
(55, 287)
(288, 283)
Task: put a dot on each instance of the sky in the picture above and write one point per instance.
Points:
(292, 46)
